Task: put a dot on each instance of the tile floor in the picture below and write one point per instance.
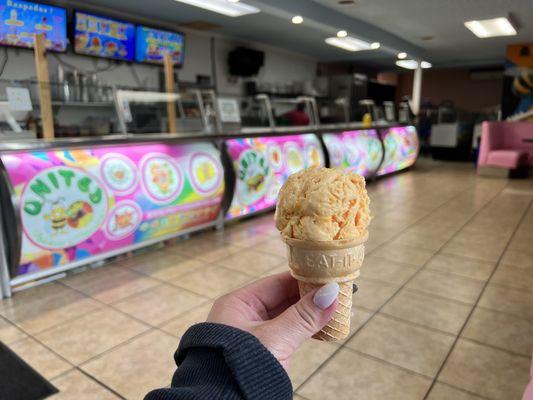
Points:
(444, 307)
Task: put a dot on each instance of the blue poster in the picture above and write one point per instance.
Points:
(152, 44)
(103, 37)
(21, 20)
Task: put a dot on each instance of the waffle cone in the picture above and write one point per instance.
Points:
(314, 264)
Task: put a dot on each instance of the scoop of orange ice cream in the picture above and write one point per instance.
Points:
(323, 204)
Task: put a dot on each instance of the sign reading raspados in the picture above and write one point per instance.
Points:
(62, 206)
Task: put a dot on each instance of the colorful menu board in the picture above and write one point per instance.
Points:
(262, 165)
(103, 37)
(356, 151)
(152, 44)
(21, 20)
(401, 149)
(76, 204)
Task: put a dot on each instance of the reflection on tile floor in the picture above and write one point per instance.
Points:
(444, 307)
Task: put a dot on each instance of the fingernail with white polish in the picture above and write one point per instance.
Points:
(326, 295)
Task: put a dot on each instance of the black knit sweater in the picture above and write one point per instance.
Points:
(221, 362)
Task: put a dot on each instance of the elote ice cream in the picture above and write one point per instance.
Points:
(323, 216)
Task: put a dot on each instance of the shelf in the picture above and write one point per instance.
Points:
(81, 104)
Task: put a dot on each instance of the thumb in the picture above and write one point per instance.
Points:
(305, 318)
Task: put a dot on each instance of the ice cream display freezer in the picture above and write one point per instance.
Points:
(68, 203)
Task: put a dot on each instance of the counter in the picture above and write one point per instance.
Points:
(68, 203)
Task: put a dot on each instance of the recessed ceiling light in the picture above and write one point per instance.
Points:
(348, 43)
(494, 27)
(402, 55)
(413, 64)
(342, 34)
(225, 7)
(297, 19)
(375, 45)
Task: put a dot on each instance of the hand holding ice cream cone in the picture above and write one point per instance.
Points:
(323, 216)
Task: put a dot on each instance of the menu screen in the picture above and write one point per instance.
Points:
(152, 44)
(104, 37)
(20, 21)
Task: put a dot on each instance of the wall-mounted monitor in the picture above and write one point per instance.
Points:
(99, 36)
(152, 44)
(21, 20)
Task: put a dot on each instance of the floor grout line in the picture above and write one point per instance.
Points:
(472, 216)
(477, 301)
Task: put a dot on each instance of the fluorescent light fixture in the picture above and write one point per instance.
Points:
(485, 28)
(225, 7)
(402, 55)
(413, 64)
(233, 1)
(375, 45)
(348, 43)
(341, 34)
(297, 19)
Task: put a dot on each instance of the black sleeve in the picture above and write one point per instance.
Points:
(221, 362)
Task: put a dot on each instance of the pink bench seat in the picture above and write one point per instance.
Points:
(511, 159)
(503, 146)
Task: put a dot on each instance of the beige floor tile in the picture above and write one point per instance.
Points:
(75, 385)
(406, 345)
(307, 359)
(40, 358)
(252, 262)
(486, 371)
(501, 330)
(167, 267)
(283, 267)
(466, 267)
(431, 311)
(349, 376)
(516, 278)
(404, 254)
(373, 294)
(209, 252)
(44, 306)
(212, 281)
(160, 304)
(386, 271)
(10, 333)
(109, 284)
(478, 250)
(179, 325)
(445, 392)
(518, 258)
(273, 246)
(137, 367)
(446, 285)
(511, 301)
(426, 240)
(86, 337)
(297, 397)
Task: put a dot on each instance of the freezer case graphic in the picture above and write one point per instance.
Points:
(401, 149)
(356, 151)
(76, 204)
(262, 165)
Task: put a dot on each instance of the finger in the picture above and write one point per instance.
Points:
(305, 318)
(269, 292)
(282, 307)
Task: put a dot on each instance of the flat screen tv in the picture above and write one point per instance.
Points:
(99, 36)
(151, 44)
(21, 20)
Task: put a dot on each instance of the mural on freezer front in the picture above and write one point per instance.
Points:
(262, 165)
(76, 204)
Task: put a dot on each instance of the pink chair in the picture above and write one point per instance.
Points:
(503, 147)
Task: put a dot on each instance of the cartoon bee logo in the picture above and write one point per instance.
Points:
(58, 216)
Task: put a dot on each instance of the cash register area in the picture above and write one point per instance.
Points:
(143, 145)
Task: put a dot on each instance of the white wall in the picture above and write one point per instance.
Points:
(280, 66)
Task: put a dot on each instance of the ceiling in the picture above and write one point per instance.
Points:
(399, 25)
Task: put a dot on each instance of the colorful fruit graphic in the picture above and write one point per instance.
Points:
(79, 214)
